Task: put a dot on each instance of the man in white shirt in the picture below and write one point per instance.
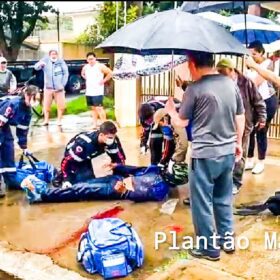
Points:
(96, 75)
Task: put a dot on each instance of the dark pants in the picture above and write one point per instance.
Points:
(156, 150)
(81, 171)
(156, 145)
(271, 108)
(7, 156)
(240, 166)
(211, 193)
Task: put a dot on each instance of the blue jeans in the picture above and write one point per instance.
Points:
(94, 189)
(211, 193)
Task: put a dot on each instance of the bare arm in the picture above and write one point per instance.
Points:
(171, 110)
(83, 72)
(107, 72)
(265, 73)
(13, 84)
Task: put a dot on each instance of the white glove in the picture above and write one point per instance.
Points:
(170, 166)
(66, 185)
(26, 152)
(143, 150)
(160, 165)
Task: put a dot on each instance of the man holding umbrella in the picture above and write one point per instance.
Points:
(218, 117)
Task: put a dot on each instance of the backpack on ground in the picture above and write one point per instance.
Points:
(110, 247)
(41, 169)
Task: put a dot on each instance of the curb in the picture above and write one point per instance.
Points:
(30, 266)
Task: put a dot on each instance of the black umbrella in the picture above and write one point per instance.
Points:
(204, 6)
(172, 32)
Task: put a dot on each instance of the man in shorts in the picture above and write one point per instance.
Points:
(55, 79)
(96, 75)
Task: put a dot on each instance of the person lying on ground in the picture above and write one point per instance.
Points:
(128, 182)
(85, 146)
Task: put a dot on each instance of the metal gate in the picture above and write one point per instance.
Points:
(162, 84)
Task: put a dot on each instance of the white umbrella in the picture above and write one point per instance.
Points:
(222, 20)
(130, 66)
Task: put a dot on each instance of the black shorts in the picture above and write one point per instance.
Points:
(96, 101)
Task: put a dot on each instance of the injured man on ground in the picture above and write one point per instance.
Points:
(138, 184)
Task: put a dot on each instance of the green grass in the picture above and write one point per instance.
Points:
(78, 105)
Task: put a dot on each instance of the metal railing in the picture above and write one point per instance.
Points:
(162, 84)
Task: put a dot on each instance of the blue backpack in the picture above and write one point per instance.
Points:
(110, 247)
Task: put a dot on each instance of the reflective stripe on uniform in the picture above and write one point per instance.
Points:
(112, 151)
(70, 145)
(86, 138)
(3, 119)
(156, 135)
(23, 127)
(8, 169)
(74, 156)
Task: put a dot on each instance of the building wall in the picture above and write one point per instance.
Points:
(78, 51)
(81, 21)
(27, 54)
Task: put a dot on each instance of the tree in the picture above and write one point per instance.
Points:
(17, 21)
(106, 23)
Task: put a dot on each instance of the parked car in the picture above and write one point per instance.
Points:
(24, 70)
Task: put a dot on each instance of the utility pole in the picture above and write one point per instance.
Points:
(58, 28)
(124, 4)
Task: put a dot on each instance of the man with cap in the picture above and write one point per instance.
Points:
(8, 82)
(255, 112)
(55, 79)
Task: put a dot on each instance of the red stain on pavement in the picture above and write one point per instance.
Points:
(74, 236)
(176, 228)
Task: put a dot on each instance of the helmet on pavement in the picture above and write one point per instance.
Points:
(179, 175)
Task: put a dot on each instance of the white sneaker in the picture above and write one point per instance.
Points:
(170, 166)
(235, 190)
(258, 169)
(249, 165)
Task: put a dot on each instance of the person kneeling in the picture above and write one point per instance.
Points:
(76, 165)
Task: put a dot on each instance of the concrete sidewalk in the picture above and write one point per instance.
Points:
(31, 228)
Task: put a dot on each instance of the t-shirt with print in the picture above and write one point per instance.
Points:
(212, 104)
